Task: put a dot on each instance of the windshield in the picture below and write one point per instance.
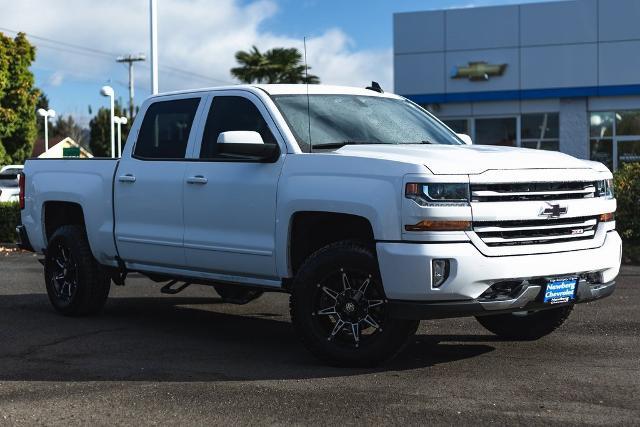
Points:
(337, 120)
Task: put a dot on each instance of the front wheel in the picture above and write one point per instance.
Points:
(339, 310)
(526, 326)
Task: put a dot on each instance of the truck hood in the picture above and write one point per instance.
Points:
(466, 159)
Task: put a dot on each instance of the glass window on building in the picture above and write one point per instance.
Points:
(540, 131)
(628, 151)
(458, 125)
(615, 137)
(602, 151)
(498, 131)
(628, 123)
(601, 125)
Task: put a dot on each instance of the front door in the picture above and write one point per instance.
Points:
(230, 205)
(148, 186)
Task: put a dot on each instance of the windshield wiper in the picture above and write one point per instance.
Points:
(330, 145)
(424, 141)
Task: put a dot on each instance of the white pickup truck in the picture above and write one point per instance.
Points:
(365, 208)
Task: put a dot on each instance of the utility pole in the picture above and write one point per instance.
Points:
(153, 24)
(130, 59)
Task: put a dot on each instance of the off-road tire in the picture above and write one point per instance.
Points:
(384, 342)
(532, 326)
(92, 282)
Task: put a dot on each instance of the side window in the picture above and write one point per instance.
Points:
(164, 132)
(230, 113)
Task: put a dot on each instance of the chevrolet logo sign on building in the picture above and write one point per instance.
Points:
(477, 71)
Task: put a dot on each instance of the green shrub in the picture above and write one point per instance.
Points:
(627, 190)
(9, 219)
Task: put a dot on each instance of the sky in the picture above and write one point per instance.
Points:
(348, 41)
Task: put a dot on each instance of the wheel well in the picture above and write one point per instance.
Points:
(57, 214)
(311, 231)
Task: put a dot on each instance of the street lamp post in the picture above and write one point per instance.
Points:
(46, 114)
(153, 24)
(120, 121)
(108, 91)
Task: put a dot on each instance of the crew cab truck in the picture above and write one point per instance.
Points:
(365, 208)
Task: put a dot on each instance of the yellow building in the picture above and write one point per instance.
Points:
(59, 148)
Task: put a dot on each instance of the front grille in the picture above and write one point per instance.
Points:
(532, 191)
(535, 232)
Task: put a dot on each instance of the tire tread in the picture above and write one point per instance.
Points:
(94, 291)
(398, 341)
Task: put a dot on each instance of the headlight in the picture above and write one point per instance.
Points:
(604, 188)
(438, 194)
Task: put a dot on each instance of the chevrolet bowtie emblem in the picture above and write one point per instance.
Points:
(553, 210)
(477, 71)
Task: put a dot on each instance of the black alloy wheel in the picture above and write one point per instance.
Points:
(340, 311)
(76, 283)
(349, 308)
(64, 273)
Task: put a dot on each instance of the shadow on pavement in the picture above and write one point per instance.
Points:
(177, 339)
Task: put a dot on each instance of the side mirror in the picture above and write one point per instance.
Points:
(240, 137)
(246, 145)
(465, 138)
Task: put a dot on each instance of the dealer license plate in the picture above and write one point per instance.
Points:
(560, 290)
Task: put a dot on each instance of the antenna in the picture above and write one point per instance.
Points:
(306, 78)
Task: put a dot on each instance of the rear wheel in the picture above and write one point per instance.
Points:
(526, 326)
(339, 310)
(76, 284)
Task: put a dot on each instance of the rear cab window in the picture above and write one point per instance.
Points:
(164, 132)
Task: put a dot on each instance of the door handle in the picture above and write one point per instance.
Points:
(198, 179)
(127, 178)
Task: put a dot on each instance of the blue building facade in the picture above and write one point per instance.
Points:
(558, 76)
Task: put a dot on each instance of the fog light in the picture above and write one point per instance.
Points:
(595, 277)
(439, 272)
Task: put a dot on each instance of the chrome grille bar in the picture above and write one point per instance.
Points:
(524, 232)
(532, 191)
(534, 227)
(490, 240)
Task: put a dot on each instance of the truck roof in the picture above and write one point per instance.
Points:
(291, 89)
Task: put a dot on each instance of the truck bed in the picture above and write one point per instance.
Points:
(86, 182)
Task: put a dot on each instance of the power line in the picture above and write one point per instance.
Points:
(192, 74)
(75, 46)
(84, 50)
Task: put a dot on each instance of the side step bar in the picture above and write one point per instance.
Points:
(170, 290)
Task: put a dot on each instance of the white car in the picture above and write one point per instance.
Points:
(15, 169)
(364, 207)
(9, 183)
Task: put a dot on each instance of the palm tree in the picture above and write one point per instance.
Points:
(278, 65)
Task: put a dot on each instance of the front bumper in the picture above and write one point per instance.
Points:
(529, 300)
(406, 270)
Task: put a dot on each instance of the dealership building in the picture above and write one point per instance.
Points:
(556, 76)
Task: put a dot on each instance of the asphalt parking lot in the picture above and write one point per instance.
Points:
(189, 359)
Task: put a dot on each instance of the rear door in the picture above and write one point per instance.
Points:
(230, 205)
(149, 184)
